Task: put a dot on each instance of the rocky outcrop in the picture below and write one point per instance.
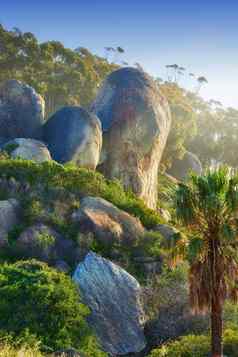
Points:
(9, 218)
(27, 149)
(113, 297)
(21, 111)
(108, 223)
(180, 169)
(168, 232)
(73, 134)
(44, 243)
(136, 121)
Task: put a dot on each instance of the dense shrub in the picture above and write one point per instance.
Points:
(187, 346)
(46, 304)
(10, 351)
(198, 346)
(79, 181)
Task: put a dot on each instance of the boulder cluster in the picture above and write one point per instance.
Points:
(123, 135)
(124, 132)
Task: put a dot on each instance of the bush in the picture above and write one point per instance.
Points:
(230, 339)
(198, 346)
(79, 181)
(187, 346)
(46, 304)
(10, 351)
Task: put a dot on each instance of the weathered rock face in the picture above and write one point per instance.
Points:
(28, 149)
(9, 217)
(136, 121)
(21, 111)
(73, 134)
(42, 242)
(166, 231)
(180, 168)
(108, 223)
(9, 214)
(114, 299)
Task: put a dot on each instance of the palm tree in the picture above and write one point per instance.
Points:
(207, 205)
(201, 80)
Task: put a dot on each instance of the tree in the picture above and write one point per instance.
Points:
(183, 126)
(201, 81)
(207, 206)
(61, 75)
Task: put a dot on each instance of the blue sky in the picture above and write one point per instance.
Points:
(199, 35)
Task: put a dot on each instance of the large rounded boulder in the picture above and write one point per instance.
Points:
(181, 169)
(73, 134)
(21, 110)
(136, 121)
(27, 149)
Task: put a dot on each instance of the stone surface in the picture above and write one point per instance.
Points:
(136, 121)
(62, 266)
(108, 223)
(166, 231)
(21, 111)
(114, 299)
(73, 134)
(27, 149)
(9, 215)
(42, 242)
(180, 169)
(70, 352)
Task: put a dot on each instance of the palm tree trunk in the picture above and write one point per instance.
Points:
(216, 328)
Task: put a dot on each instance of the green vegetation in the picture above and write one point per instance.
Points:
(61, 75)
(197, 346)
(207, 206)
(40, 308)
(78, 181)
(38, 301)
(7, 350)
(183, 122)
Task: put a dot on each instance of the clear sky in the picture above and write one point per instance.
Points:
(199, 35)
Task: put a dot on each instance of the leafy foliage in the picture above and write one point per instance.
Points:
(207, 205)
(183, 122)
(61, 75)
(78, 181)
(197, 346)
(44, 302)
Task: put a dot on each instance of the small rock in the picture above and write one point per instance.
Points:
(180, 169)
(42, 242)
(27, 149)
(168, 232)
(9, 214)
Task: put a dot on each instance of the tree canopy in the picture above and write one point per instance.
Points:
(61, 75)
